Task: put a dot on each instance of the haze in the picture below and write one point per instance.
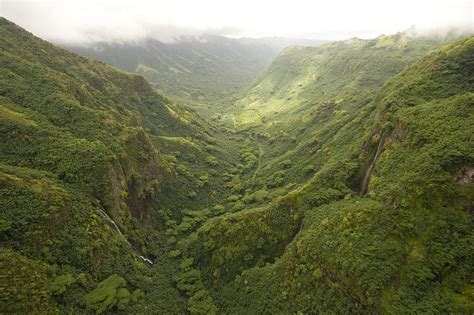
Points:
(90, 21)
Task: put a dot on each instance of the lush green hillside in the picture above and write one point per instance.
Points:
(82, 143)
(302, 78)
(404, 247)
(340, 182)
(321, 126)
(197, 71)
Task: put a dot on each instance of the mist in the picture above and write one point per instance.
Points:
(90, 21)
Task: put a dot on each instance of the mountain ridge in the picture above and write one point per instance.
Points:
(194, 70)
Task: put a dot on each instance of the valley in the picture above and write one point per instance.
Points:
(203, 72)
(312, 180)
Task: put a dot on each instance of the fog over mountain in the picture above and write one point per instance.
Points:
(92, 21)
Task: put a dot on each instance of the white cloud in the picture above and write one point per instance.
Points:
(89, 20)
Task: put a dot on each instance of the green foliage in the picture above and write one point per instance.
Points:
(74, 140)
(203, 180)
(212, 160)
(60, 283)
(405, 248)
(436, 132)
(23, 285)
(189, 280)
(110, 294)
(226, 245)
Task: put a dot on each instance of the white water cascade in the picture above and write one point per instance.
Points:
(117, 229)
(146, 260)
(106, 216)
(368, 173)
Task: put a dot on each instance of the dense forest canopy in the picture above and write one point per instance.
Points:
(339, 179)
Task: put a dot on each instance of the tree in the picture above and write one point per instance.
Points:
(23, 285)
(212, 160)
(110, 293)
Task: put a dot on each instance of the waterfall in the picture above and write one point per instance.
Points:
(117, 229)
(106, 216)
(368, 173)
(146, 260)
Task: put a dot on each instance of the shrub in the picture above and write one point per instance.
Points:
(212, 161)
(109, 294)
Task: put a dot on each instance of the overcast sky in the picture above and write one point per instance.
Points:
(93, 20)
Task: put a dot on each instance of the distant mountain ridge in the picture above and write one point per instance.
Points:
(301, 77)
(195, 70)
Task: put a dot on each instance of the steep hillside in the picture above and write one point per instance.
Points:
(404, 247)
(89, 174)
(196, 71)
(322, 124)
(302, 78)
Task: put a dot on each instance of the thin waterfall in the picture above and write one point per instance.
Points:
(368, 173)
(106, 216)
(117, 229)
(146, 260)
